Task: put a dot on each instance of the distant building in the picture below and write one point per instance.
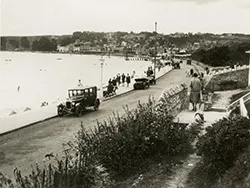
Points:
(76, 49)
(63, 49)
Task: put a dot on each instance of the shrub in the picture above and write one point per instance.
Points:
(222, 144)
(237, 175)
(123, 144)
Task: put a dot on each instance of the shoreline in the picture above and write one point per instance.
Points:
(101, 53)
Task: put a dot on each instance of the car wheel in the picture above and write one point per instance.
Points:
(97, 104)
(60, 111)
(96, 107)
(79, 110)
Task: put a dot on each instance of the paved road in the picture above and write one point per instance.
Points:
(29, 145)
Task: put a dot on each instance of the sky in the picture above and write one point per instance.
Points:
(58, 17)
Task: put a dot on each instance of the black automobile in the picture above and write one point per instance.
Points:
(79, 99)
(141, 83)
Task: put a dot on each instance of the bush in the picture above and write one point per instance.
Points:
(123, 144)
(222, 144)
(236, 176)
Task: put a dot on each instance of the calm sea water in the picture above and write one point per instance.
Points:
(47, 77)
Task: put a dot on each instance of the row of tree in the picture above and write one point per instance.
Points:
(223, 55)
(42, 44)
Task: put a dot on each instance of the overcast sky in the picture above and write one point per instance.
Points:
(39, 17)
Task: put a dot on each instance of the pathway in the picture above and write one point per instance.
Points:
(180, 174)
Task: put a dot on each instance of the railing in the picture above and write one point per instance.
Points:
(226, 70)
(236, 103)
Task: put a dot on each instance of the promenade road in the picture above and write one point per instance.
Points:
(26, 146)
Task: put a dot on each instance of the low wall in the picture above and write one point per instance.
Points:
(228, 80)
(174, 100)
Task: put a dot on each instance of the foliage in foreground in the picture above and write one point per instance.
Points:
(238, 175)
(123, 144)
(114, 148)
(220, 148)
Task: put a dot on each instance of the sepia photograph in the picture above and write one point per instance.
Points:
(124, 94)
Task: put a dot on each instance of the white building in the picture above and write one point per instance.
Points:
(63, 49)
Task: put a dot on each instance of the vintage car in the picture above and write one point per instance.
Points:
(79, 99)
(141, 83)
(176, 65)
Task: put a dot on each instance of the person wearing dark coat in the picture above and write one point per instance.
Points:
(191, 72)
(114, 82)
(128, 80)
(118, 79)
(110, 81)
(123, 78)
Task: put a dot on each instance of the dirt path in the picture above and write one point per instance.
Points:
(180, 174)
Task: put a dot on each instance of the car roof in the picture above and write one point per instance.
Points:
(81, 87)
(141, 78)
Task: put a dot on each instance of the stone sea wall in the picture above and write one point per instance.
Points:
(174, 100)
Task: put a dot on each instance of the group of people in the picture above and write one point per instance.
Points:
(119, 80)
(196, 87)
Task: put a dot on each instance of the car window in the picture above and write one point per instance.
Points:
(86, 91)
(90, 91)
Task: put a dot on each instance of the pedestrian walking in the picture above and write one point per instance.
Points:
(79, 83)
(191, 72)
(128, 80)
(123, 79)
(114, 83)
(110, 81)
(195, 94)
(207, 70)
(118, 79)
(133, 75)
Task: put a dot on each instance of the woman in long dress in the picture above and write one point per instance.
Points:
(195, 94)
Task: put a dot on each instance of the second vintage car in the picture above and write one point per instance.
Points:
(79, 99)
(141, 83)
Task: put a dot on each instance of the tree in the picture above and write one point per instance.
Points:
(35, 45)
(77, 35)
(25, 42)
(46, 45)
(66, 41)
(14, 43)
(3, 43)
